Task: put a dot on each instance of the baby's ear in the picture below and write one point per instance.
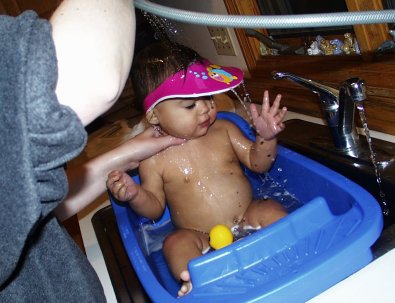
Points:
(151, 117)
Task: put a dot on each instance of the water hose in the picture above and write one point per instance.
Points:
(268, 21)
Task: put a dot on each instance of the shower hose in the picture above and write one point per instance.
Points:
(268, 21)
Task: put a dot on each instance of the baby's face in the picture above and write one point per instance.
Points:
(186, 118)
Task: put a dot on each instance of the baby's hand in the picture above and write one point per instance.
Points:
(121, 186)
(270, 121)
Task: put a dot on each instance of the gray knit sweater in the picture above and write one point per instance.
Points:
(39, 262)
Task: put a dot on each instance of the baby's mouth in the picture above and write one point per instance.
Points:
(205, 123)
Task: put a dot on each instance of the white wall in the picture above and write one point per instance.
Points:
(197, 36)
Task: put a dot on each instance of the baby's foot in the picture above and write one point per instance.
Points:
(186, 284)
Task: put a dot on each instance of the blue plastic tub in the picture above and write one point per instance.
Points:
(326, 237)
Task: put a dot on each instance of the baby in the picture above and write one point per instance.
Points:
(200, 180)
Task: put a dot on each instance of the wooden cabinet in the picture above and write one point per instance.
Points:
(44, 8)
(377, 71)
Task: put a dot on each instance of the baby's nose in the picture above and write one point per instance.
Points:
(203, 106)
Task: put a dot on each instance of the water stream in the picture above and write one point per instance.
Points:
(244, 98)
(377, 168)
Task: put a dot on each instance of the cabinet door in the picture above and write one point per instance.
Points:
(14, 7)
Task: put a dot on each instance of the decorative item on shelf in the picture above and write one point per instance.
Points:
(326, 47)
(314, 50)
(348, 46)
(322, 46)
(263, 49)
(338, 46)
(273, 52)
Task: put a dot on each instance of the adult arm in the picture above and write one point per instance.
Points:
(94, 43)
(88, 181)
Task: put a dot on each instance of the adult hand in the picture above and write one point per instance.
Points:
(88, 181)
(145, 145)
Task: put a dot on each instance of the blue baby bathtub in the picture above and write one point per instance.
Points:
(326, 237)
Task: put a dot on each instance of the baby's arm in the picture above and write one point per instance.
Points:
(259, 155)
(147, 200)
(268, 123)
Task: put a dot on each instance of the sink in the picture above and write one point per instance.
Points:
(315, 141)
(297, 256)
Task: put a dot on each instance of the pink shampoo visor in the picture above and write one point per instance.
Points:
(199, 80)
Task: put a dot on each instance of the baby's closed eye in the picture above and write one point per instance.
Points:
(190, 106)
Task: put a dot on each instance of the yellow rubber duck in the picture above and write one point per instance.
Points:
(220, 236)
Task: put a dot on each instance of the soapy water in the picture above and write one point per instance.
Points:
(275, 190)
(153, 235)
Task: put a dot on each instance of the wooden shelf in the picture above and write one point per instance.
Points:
(378, 72)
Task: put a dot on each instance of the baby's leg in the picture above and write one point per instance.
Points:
(261, 213)
(179, 248)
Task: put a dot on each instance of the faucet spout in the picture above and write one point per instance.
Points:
(328, 95)
(338, 106)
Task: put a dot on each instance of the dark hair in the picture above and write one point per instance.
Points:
(157, 62)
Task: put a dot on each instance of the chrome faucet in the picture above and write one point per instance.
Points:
(339, 108)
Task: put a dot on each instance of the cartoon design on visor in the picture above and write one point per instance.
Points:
(218, 74)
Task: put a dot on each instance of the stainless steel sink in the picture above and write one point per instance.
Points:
(315, 141)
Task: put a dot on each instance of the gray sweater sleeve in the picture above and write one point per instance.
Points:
(38, 136)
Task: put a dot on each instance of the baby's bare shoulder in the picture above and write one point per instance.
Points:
(228, 126)
(225, 124)
(152, 163)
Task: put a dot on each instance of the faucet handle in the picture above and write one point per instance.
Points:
(356, 89)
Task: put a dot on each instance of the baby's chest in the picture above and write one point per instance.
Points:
(191, 166)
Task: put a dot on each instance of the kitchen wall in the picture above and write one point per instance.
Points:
(198, 37)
